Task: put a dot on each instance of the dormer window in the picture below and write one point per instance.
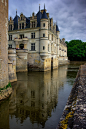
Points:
(10, 27)
(21, 18)
(33, 24)
(22, 25)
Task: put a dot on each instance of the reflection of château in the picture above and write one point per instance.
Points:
(39, 38)
(36, 95)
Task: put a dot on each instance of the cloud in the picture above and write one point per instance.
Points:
(69, 14)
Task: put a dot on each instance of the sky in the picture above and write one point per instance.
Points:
(69, 14)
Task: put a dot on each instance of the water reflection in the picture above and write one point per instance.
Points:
(34, 98)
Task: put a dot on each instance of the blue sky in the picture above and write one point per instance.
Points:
(69, 14)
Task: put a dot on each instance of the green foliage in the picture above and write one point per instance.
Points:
(9, 85)
(76, 50)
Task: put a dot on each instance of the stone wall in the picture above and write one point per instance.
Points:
(74, 114)
(12, 65)
(63, 61)
(3, 43)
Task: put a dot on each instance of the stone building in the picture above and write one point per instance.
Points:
(37, 41)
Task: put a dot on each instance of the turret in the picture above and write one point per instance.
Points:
(44, 35)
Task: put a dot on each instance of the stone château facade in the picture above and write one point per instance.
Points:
(37, 41)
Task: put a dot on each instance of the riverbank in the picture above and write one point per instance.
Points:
(74, 114)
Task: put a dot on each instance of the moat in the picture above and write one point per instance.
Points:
(38, 99)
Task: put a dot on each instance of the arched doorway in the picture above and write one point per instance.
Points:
(21, 46)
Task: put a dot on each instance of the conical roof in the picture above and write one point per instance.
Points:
(44, 15)
(57, 29)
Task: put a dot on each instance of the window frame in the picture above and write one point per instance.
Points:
(32, 46)
(43, 24)
(22, 25)
(43, 34)
(21, 36)
(10, 37)
(33, 35)
(10, 45)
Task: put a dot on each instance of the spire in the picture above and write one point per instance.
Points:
(44, 6)
(39, 7)
(16, 12)
(44, 15)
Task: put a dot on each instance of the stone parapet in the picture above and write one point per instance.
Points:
(74, 114)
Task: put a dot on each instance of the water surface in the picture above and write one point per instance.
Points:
(38, 99)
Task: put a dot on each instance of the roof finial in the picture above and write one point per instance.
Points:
(39, 7)
(44, 6)
(16, 12)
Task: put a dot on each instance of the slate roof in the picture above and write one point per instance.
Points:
(16, 22)
(57, 29)
(39, 16)
(44, 15)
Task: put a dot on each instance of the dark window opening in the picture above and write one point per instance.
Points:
(43, 47)
(43, 35)
(33, 24)
(32, 35)
(48, 47)
(43, 24)
(10, 46)
(21, 36)
(21, 46)
(32, 94)
(32, 46)
(22, 25)
(10, 27)
(21, 18)
(52, 37)
(10, 37)
(19, 26)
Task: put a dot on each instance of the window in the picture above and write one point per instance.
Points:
(33, 24)
(0, 64)
(10, 37)
(21, 18)
(32, 94)
(43, 24)
(52, 37)
(10, 27)
(32, 35)
(22, 25)
(10, 45)
(32, 46)
(21, 36)
(43, 35)
(48, 47)
(43, 47)
(48, 36)
(21, 46)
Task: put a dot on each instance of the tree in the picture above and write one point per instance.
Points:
(76, 50)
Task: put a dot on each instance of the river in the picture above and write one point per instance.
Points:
(38, 99)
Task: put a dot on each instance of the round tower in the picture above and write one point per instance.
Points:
(44, 35)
